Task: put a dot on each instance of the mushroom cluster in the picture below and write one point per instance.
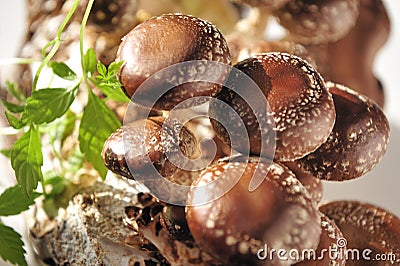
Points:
(262, 188)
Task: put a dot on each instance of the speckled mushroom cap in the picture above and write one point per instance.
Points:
(330, 237)
(279, 213)
(141, 144)
(318, 21)
(299, 103)
(357, 143)
(312, 184)
(366, 227)
(351, 60)
(166, 40)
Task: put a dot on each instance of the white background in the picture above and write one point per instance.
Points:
(380, 187)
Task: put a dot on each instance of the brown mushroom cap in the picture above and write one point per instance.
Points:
(234, 227)
(312, 184)
(141, 144)
(366, 227)
(357, 143)
(330, 236)
(164, 41)
(318, 21)
(351, 60)
(301, 107)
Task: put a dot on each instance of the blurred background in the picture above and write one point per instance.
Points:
(380, 187)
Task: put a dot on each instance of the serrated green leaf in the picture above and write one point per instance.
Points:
(62, 70)
(13, 201)
(97, 123)
(114, 68)
(15, 91)
(14, 121)
(90, 61)
(11, 246)
(101, 69)
(61, 128)
(45, 105)
(114, 92)
(27, 159)
(12, 107)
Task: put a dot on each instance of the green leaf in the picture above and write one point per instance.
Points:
(97, 123)
(61, 128)
(101, 69)
(13, 201)
(16, 91)
(11, 246)
(13, 121)
(27, 159)
(114, 68)
(90, 61)
(62, 70)
(114, 92)
(6, 152)
(12, 107)
(45, 105)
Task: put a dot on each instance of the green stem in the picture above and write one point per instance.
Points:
(56, 46)
(81, 38)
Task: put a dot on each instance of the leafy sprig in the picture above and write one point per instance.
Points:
(45, 118)
(13, 201)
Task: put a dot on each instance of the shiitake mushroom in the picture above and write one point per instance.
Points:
(357, 142)
(233, 227)
(314, 130)
(134, 149)
(163, 41)
(350, 60)
(318, 21)
(366, 227)
(299, 105)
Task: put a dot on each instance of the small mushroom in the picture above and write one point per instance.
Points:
(366, 227)
(328, 252)
(134, 149)
(357, 143)
(312, 184)
(299, 109)
(235, 226)
(350, 61)
(318, 21)
(162, 41)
